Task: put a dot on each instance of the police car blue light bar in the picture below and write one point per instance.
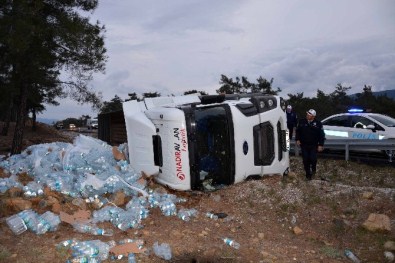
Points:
(355, 110)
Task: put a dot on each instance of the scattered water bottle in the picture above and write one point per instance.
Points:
(181, 200)
(162, 251)
(211, 215)
(153, 199)
(83, 249)
(351, 256)
(168, 208)
(52, 219)
(293, 220)
(67, 243)
(97, 201)
(131, 258)
(33, 189)
(231, 242)
(82, 259)
(34, 222)
(92, 229)
(43, 225)
(16, 224)
(93, 249)
(125, 224)
(186, 214)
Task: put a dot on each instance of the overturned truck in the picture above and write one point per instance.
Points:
(186, 140)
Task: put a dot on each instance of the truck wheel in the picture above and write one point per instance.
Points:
(286, 172)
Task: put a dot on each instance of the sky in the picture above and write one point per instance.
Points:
(174, 46)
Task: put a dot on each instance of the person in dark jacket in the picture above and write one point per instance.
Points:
(292, 121)
(310, 137)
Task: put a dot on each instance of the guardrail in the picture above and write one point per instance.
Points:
(354, 145)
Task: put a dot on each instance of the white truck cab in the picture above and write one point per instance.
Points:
(185, 140)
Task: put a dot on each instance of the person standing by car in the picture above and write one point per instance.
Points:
(292, 120)
(310, 137)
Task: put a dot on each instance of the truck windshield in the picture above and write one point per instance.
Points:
(214, 151)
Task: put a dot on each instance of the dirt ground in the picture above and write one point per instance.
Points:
(275, 219)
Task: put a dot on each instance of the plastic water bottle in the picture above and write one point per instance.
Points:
(95, 250)
(67, 243)
(125, 224)
(186, 214)
(52, 219)
(211, 215)
(42, 225)
(16, 224)
(351, 256)
(81, 259)
(231, 242)
(153, 199)
(163, 250)
(131, 258)
(168, 208)
(30, 218)
(92, 229)
(84, 249)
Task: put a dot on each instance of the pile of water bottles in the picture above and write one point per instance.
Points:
(85, 168)
(85, 171)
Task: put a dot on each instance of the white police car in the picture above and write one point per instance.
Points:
(357, 124)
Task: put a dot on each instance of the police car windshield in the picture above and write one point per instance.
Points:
(386, 120)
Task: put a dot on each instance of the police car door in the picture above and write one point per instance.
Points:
(337, 127)
(365, 129)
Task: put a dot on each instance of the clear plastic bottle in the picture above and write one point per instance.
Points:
(168, 208)
(92, 250)
(131, 258)
(42, 225)
(163, 250)
(67, 243)
(30, 218)
(80, 259)
(124, 226)
(211, 215)
(84, 249)
(16, 224)
(128, 223)
(186, 214)
(351, 256)
(126, 240)
(231, 242)
(92, 229)
(52, 219)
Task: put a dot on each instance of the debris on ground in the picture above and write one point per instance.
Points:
(94, 198)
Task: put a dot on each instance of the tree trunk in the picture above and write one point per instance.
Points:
(34, 127)
(20, 122)
(6, 124)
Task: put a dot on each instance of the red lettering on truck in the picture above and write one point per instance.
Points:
(177, 158)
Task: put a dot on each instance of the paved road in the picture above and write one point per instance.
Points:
(74, 133)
